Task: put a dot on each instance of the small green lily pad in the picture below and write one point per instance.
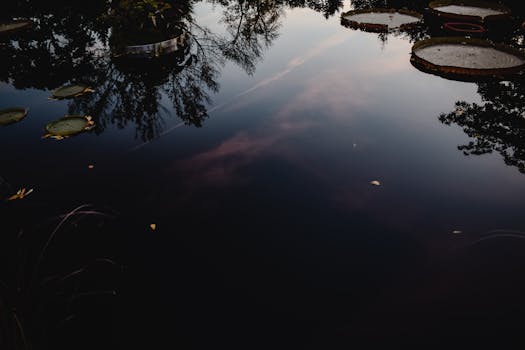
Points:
(12, 26)
(68, 91)
(69, 125)
(12, 115)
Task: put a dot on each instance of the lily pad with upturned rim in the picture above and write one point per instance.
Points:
(381, 19)
(68, 126)
(69, 91)
(467, 58)
(13, 26)
(157, 49)
(469, 10)
(12, 115)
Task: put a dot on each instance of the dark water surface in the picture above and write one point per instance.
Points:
(253, 155)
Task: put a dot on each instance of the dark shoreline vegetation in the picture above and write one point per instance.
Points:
(71, 275)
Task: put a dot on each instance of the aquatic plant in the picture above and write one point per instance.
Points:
(467, 58)
(68, 126)
(381, 19)
(38, 297)
(12, 115)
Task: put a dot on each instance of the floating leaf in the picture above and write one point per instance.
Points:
(153, 227)
(20, 194)
(468, 10)
(12, 115)
(375, 183)
(68, 126)
(156, 49)
(69, 91)
(466, 58)
(380, 19)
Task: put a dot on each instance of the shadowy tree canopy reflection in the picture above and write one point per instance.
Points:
(80, 43)
(498, 125)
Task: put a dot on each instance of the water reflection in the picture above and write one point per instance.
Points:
(58, 48)
(81, 43)
(497, 125)
(300, 223)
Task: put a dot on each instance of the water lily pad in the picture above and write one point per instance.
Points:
(68, 126)
(12, 115)
(69, 91)
(380, 19)
(13, 26)
(157, 49)
(468, 10)
(466, 58)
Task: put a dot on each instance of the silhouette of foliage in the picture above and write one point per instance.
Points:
(497, 125)
(72, 44)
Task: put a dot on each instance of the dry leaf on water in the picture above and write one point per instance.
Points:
(20, 194)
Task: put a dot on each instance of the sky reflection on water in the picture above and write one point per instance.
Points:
(257, 174)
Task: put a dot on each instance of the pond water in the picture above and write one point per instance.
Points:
(284, 181)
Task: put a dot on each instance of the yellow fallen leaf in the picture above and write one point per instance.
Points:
(56, 137)
(20, 194)
(375, 183)
(153, 227)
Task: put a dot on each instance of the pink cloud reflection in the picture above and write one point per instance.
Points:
(336, 94)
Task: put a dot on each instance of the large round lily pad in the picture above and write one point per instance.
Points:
(380, 19)
(469, 10)
(159, 48)
(467, 58)
(69, 125)
(12, 115)
(13, 26)
(69, 91)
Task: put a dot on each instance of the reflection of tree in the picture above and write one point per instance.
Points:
(497, 125)
(58, 48)
(139, 22)
(61, 49)
(130, 92)
(74, 43)
(251, 26)
(326, 7)
(414, 5)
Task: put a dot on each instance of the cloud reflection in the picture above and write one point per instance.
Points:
(326, 96)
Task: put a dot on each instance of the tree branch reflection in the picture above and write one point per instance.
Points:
(81, 43)
(497, 125)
